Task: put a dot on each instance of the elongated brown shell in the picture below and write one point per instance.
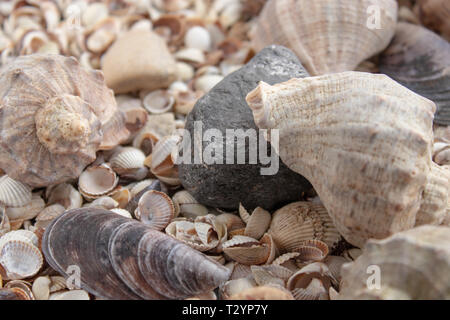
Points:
(120, 258)
(327, 36)
(413, 264)
(54, 116)
(362, 140)
(420, 60)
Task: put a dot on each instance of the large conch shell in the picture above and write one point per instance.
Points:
(121, 258)
(413, 264)
(362, 140)
(327, 36)
(420, 60)
(54, 116)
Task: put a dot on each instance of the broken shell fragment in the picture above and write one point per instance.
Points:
(399, 120)
(135, 259)
(155, 209)
(327, 36)
(14, 193)
(410, 261)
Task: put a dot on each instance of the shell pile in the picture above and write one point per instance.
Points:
(93, 99)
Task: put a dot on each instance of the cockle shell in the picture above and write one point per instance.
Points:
(435, 14)
(97, 181)
(420, 60)
(55, 115)
(362, 140)
(155, 209)
(14, 193)
(249, 251)
(412, 264)
(257, 223)
(121, 258)
(20, 259)
(300, 221)
(327, 36)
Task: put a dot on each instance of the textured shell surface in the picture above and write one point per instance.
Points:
(362, 140)
(14, 193)
(414, 264)
(327, 36)
(420, 60)
(125, 259)
(54, 116)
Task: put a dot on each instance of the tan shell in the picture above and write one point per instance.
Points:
(70, 295)
(247, 250)
(414, 265)
(189, 206)
(263, 293)
(104, 202)
(435, 14)
(185, 232)
(97, 181)
(335, 264)
(135, 116)
(155, 209)
(20, 259)
(327, 36)
(258, 223)
(312, 250)
(122, 212)
(162, 163)
(41, 288)
(13, 193)
(47, 215)
(300, 221)
(58, 116)
(232, 221)
(271, 274)
(66, 195)
(371, 181)
(138, 60)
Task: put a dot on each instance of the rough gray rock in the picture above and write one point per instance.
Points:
(224, 107)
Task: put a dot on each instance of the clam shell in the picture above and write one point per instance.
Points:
(19, 235)
(420, 60)
(97, 181)
(368, 112)
(14, 193)
(189, 206)
(301, 221)
(20, 259)
(13, 294)
(271, 274)
(258, 223)
(334, 264)
(104, 202)
(157, 127)
(231, 221)
(312, 250)
(122, 196)
(327, 36)
(410, 263)
(303, 278)
(155, 209)
(70, 295)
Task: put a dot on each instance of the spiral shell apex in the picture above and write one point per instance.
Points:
(362, 140)
(54, 116)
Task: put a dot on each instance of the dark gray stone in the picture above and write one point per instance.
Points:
(224, 107)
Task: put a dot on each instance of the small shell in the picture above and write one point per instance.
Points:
(159, 101)
(41, 288)
(271, 274)
(198, 37)
(20, 259)
(127, 160)
(233, 287)
(4, 222)
(258, 223)
(191, 55)
(135, 116)
(246, 250)
(14, 193)
(97, 181)
(239, 270)
(334, 264)
(58, 283)
(155, 209)
(207, 82)
(122, 212)
(157, 127)
(315, 290)
(263, 293)
(25, 286)
(27, 212)
(231, 221)
(185, 232)
(189, 206)
(243, 213)
(70, 295)
(20, 235)
(312, 250)
(122, 196)
(301, 221)
(104, 202)
(66, 195)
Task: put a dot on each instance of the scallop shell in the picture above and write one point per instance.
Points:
(13, 294)
(414, 265)
(327, 36)
(19, 235)
(127, 160)
(371, 181)
(420, 60)
(312, 250)
(263, 293)
(13, 193)
(435, 14)
(20, 259)
(300, 221)
(271, 274)
(125, 259)
(315, 290)
(97, 181)
(58, 116)
(155, 209)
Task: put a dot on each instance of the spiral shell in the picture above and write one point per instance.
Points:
(55, 115)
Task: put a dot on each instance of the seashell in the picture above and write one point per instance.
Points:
(13, 294)
(210, 231)
(301, 221)
(247, 250)
(239, 270)
(334, 264)
(231, 221)
(122, 196)
(435, 15)
(172, 5)
(376, 210)
(185, 232)
(58, 283)
(171, 27)
(105, 202)
(185, 71)
(327, 36)
(263, 293)
(210, 295)
(65, 195)
(138, 60)
(207, 82)
(21, 285)
(157, 127)
(97, 181)
(93, 13)
(257, 223)
(158, 101)
(185, 101)
(136, 259)
(287, 260)
(27, 212)
(189, 206)
(122, 212)
(155, 209)
(312, 250)
(132, 204)
(420, 60)
(410, 262)
(219, 259)
(19, 235)
(135, 116)
(243, 213)
(271, 274)
(14, 193)
(128, 161)
(441, 153)
(233, 287)
(5, 226)
(41, 288)
(70, 295)
(198, 37)
(20, 259)
(141, 185)
(190, 55)
(59, 124)
(315, 290)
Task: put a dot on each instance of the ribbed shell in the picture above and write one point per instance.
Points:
(414, 264)
(362, 140)
(327, 36)
(420, 60)
(54, 116)
(14, 193)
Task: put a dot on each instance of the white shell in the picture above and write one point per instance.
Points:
(13, 193)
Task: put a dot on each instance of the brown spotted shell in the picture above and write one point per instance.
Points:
(54, 116)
